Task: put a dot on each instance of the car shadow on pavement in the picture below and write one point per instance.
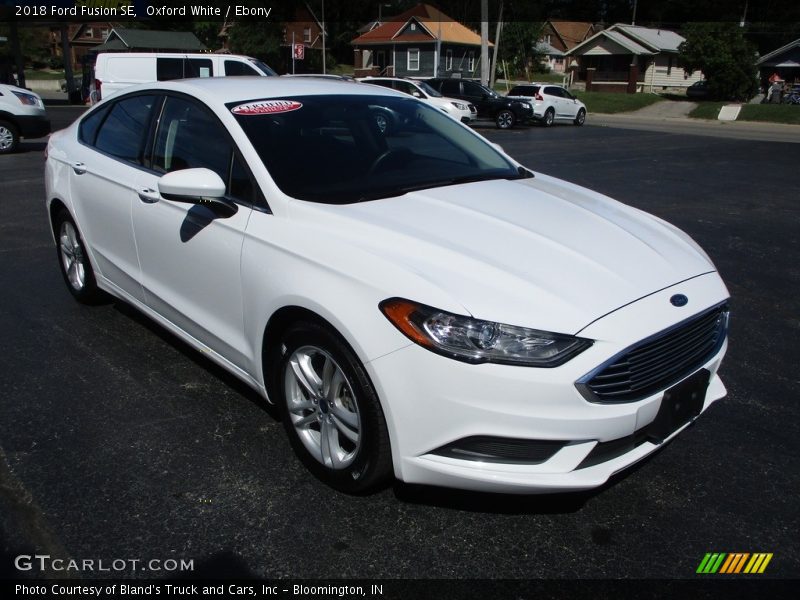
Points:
(197, 358)
(34, 146)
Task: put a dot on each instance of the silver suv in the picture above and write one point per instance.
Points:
(22, 114)
(551, 103)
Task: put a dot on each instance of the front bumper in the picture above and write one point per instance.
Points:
(447, 401)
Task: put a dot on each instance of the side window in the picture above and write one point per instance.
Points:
(182, 142)
(553, 91)
(169, 68)
(89, 126)
(198, 67)
(450, 88)
(121, 134)
(473, 89)
(235, 68)
(382, 83)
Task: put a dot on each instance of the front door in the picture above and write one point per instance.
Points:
(190, 256)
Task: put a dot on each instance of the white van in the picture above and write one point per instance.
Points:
(114, 71)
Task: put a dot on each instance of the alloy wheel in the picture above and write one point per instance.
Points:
(72, 256)
(322, 407)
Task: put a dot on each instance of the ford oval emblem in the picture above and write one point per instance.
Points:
(679, 300)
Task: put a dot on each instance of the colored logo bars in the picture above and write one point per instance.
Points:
(734, 563)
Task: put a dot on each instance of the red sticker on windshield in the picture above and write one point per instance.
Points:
(266, 107)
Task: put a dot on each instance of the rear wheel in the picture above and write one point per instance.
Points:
(74, 263)
(504, 119)
(580, 118)
(331, 412)
(9, 137)
(549, 117)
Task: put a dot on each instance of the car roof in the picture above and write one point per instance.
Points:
(217, 90)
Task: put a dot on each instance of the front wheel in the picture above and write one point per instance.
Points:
(74, 262)
(9, 137)
(504, 119)
(580, 118)
(331, 412)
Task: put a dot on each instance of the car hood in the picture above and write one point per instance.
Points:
(539, 252)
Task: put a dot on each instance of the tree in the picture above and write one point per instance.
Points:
(725, 57)
(518, 48)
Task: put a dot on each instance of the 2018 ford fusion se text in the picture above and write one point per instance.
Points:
(416, 303)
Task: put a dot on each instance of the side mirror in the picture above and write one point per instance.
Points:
(197, 186)
(416, 94)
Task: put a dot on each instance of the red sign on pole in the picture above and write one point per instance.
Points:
(299, 51)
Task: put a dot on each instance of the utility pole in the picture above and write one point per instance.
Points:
(484, 42)
(323, 37)
(497, 34)
(633, 19)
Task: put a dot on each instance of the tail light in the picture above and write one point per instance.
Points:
(538, 97)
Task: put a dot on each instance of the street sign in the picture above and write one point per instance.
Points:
(299, 51)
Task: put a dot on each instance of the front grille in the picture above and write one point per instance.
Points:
(658, 362)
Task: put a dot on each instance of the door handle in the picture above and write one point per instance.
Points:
(148, 196)
(79, 168)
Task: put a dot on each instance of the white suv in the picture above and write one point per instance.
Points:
(551, 103)
(458, 109)
(22, 114)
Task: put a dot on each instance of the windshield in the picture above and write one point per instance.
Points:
(262, 66)
(428, 89)
(351, 148)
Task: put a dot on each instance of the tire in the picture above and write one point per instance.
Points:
(549, 117)
(9, 137)
(504, 119)
(338, 433)
(580, 118)
(74, 262)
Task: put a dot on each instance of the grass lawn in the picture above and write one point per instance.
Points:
(769, 113)
(29, 74)
(609, 103)
(706, 110)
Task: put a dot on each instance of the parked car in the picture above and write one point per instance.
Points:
(115, 71)
(458, 109)
(698, 90)
(415, 302)
(505, 112)
(22, 115)
(551, 103)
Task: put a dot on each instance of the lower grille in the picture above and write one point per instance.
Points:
(658, 362)
(501, 450)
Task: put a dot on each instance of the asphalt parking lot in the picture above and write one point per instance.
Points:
(117, 441)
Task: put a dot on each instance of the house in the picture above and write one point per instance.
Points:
(143, 40)
(305, 29)
(421, 42)
(785, 62)
(629, 58)
(558, 37)
(83, 38)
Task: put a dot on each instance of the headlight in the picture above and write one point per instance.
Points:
(459, 106)
(527, 105)
(476, 341)
(27, 98)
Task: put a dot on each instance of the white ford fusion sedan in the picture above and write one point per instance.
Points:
(415, 302)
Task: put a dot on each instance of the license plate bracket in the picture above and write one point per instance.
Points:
(681, 404)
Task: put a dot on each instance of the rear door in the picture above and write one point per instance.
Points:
(106, 166)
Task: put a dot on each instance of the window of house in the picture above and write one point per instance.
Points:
(448, 60)
(105, 32)
(307, 34)
(413, 59)
(669, 66)
(88, 32)
(471, 61)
